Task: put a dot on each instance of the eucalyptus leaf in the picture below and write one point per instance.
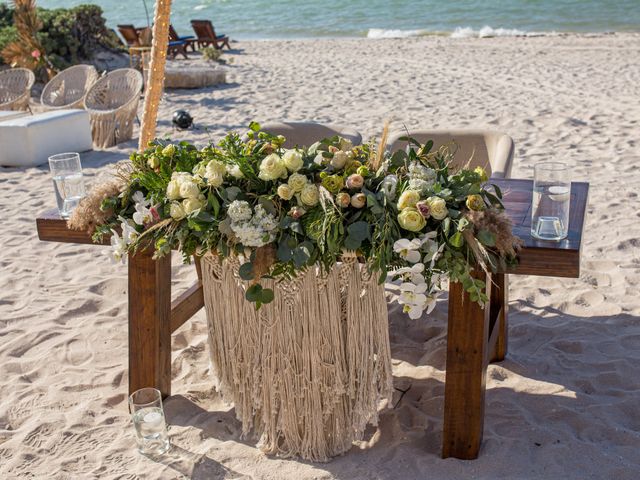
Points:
(246, 271)
(487, 238)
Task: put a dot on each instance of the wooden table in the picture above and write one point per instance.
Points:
(475, 336)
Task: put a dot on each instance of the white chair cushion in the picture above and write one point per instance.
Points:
(29, 141)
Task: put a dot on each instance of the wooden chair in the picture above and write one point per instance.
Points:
(112, 103)
(477, 148)
(178, 47)
(190, 40)
(207, 35)
(69, 87)
(307, 133)
(130, 35)
(15, 88)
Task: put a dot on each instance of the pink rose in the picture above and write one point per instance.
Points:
(35, 54)
(355, 181)
(423, 208)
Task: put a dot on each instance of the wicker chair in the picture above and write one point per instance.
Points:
(68, 88)
(15, 88)
(112, 103)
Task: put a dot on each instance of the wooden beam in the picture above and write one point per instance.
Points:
(52, 228)
(464, 390)
(150, 322)
(186, 305)
(499, 317)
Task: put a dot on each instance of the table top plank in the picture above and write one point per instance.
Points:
(537, 257)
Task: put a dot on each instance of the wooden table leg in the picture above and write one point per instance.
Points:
(499, 308)
(149, 322)
(467, 338)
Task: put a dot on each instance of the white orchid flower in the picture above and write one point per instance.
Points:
(138, 198)
(118, 248)
(142, 215)
(408, 249)
(417, 268)
(413, 288)
(414, 311)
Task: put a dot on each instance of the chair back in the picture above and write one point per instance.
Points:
(173, 35)
(68, 88)
(15, 88)
(307, 133)
(115, 90)
(130, 35)
(204, 29)
(473, 148)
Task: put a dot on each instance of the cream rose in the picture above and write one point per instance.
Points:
(215, 180)
(408, 199)
(411, 219)
(438, 207)
(188, 189)
(310, 195)
(215, 168)
(339, 159)
(297, 182)
(169, 150)
(359, 200)
(475, 202)
(173, 190)
(285, 192)
(343, 199)
(191, 205)
(292, 160)
(153, 162)
(272, 168)
(176, 211)
(355, 181)
(234, 171)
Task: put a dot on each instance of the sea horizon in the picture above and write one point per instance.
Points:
(290, 19)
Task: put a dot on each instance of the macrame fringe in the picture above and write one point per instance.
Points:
(308, 371)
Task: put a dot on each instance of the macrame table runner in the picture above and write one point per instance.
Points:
(308, 371)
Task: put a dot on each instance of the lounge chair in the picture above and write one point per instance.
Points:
(130, 35)
(15, 88)
(207, 35)
(484, 148)
(68, 88)
(190, 40)
(307, 133)
(112, 103)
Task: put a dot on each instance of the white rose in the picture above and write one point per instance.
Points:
(297, 182)
(176, 211)
(292, 160)
(408, 199)
(310, 195)
(438, 207)
(215, 168)
(272, 168)
(339, 159)
(191, 205)
(234, 171)
(285, 192)
(173, 190)
(215, 180)
(188, 189)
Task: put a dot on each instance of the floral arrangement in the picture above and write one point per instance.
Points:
(406, 214)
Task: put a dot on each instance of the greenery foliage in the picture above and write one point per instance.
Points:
(284, 210)
(68, 35)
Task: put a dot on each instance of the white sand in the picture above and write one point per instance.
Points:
(565, 404)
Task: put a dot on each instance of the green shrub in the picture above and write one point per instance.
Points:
(68, 35)
(6, 16)
(7, 35)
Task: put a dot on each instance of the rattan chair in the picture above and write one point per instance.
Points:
(307, 133)
(15, 88)
(474, 148)
(69, 87)
(112, 103)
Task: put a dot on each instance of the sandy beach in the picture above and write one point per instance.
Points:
(565, 404)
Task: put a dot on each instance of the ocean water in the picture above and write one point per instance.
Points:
(281, 19)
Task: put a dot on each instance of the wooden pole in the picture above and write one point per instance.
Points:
(155, 82)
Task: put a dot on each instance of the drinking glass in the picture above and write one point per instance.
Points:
(67, 181)
(148, 419)
(551, 197)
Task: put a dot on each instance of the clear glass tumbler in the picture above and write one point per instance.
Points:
(67, 181)
(551, 198)
(148, 420)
